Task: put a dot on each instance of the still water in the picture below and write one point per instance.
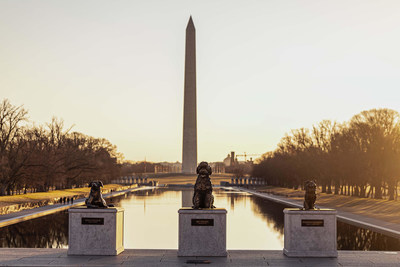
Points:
(151, 222)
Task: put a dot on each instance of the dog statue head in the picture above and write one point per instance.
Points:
(204, 169)
(310, 186)
(95, 186)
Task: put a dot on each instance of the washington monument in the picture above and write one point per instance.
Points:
(189, 146)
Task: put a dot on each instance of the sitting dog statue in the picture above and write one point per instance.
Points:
(311, 195)
(95, 199)
(203, 198)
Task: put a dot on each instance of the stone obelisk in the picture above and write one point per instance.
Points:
(189, 146)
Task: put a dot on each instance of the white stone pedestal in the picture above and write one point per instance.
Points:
(310, 233)
(96, 231)
(202, 232)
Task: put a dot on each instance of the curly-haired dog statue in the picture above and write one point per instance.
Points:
(203, 198)
(311, 195)
(95, 199)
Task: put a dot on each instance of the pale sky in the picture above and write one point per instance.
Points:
(115, 69)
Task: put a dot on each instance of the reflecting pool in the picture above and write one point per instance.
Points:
(151, 222)
(50, 231)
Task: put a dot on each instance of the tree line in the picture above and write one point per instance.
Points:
(129, 168)
(40, 158)
(360, 157)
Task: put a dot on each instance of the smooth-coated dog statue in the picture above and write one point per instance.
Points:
(203, 198)
(95, 199)
(311, 195)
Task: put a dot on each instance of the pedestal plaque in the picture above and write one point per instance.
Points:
(202, 232)
(96, 231)
(310, 233)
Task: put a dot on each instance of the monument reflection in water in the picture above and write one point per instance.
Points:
(151, 222)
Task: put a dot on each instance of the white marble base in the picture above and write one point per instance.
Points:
(197, 237)
(305, 237)
(87, 236)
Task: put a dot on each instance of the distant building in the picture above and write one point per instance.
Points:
(230, 159)
(227, 160)
(168, 167)
(217, 167)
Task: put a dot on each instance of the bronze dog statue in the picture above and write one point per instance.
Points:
(95, 199)
(203, 198)
(311, 195)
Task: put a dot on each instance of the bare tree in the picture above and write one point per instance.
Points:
(360, 158)
(12, 144)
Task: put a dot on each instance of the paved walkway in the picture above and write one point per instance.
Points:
(380, 226)
(166, 258)
(28, 214)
